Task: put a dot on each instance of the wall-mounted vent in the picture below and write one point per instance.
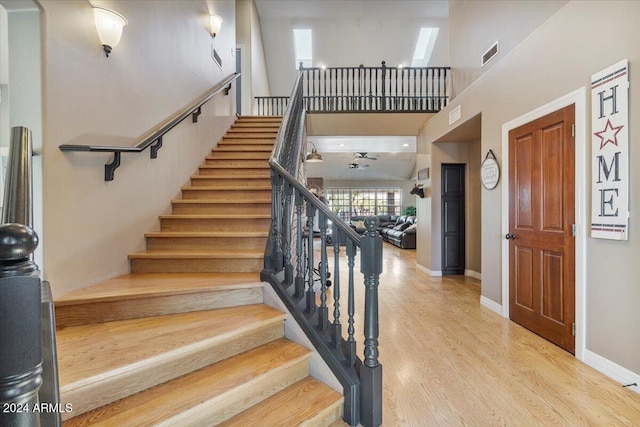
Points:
(489, 54)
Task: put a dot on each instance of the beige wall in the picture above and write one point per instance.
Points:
(255, 81)
(559, 58)
(162, 63)
(474, 26)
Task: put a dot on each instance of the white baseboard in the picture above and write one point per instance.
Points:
(473, 274)
(429, 272)
(612, 370)
(491, 305)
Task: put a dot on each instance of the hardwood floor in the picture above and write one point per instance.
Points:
(448, 361)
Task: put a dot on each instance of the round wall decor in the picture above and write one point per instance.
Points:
(490, 171)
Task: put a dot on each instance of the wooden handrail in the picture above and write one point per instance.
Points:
(154, 138)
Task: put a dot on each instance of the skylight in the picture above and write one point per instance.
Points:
(303, 47)
(424, 47)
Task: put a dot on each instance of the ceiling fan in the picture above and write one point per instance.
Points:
(357, 156)
(355, 164)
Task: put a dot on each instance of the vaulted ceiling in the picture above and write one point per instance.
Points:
(350, 33)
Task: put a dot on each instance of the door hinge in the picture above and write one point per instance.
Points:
(573, 329)
(573, 130)
(573, 230)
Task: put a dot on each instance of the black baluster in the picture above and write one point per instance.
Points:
(384, 92)
(311, 295)
(350, 345)
(371, 369)
(288, 266)
(299, 280)
(323, 315)
(336, 332)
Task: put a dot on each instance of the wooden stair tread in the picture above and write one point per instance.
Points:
(298, 404)
(239, 177)
(229, 187)
(198, 254)
(91, 353)
(223, 202)
(216, 216)
(153, 284)
(169, 234)
(264, 166)
(251, 135)
(189, 397)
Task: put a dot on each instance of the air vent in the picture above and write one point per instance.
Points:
(489, 54)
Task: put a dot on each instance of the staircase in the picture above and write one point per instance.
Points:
(185, 339)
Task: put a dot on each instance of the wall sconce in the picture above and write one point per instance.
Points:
(314, 157)
(215, 24)
(109, 25)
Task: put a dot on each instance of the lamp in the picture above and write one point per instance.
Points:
(109, 25)
(215, 24)
(314, 157)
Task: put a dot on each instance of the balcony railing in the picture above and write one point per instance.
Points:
(367, 89)
(300, 276)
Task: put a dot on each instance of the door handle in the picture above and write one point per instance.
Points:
(510, 236)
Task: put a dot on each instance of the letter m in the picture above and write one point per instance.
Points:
(605, 169)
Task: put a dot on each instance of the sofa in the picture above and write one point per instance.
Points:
(397, 230)
(402, 233)
(357, 222)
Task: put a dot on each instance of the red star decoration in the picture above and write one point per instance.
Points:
(610, 134)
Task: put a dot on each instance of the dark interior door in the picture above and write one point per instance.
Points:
(541, 216)
(453, 218)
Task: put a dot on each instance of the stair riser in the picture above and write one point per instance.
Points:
(237, 163)
(239, 155)
(154, 243)
(103, 391)
(197, 265)
(108, 311)
(221, 194)
(243, 150)
(235, 401)
(255, 129)
(244, 124)
(215, 224)
(251, 135)
(246, 182)
(221, 208)
(234, 142)
(262, 172)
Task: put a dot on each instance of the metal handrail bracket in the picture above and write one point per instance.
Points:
(153, 139)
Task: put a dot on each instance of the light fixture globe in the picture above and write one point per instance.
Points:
(109, 25)
(215, 24)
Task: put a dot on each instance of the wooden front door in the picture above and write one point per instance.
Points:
(453, 219)
(541, 219)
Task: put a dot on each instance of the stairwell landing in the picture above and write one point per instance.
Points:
(185, 339)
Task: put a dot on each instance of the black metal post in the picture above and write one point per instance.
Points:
(371, 369)
(20, 294)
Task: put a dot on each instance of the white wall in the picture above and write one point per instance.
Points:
(255, 81)
(25, 96)
(557, 59)
(162, 63)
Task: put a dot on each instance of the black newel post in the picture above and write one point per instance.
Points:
(371, 369)
(20, 294)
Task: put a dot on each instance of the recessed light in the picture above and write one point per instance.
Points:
(342, 145)
(405, 145)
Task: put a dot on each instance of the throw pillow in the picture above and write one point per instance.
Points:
(358, 224)
(412, 227)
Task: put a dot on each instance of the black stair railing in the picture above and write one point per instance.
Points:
(153, 140)
(29, 391)
(301, 277)
(369, 89)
